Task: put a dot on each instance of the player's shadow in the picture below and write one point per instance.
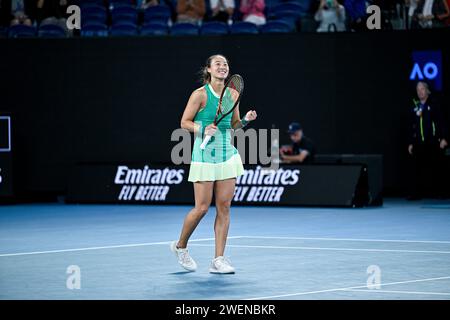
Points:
(214, 286)
(180, 272)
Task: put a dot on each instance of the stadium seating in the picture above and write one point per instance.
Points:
(124, 29)
(51, 31)
(276, 27)
(21, 31)
(214, 28)
(184, 29)
(94, 29)
(157, 13)
(155, 29)
(243, 28)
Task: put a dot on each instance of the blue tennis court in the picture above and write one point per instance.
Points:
(122, 252)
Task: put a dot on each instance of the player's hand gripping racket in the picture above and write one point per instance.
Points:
(228, 101)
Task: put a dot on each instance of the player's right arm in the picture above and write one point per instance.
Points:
(196, 101)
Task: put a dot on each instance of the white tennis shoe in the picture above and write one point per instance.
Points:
(221, 265)
(184, 259)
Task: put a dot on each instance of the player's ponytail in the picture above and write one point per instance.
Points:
(205, 77)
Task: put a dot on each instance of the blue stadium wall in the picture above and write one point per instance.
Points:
(118, 99)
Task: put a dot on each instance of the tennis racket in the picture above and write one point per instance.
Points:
(227, 104)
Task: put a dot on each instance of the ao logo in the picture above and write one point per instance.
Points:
(429, 71)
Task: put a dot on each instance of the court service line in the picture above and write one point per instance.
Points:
(103, 247)
(344, 289)
(402, 292)
(347, 239)
(325, 248)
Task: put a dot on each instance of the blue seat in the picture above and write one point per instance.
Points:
(94, 29)
(184, 29)
(83, 3)
(160, 12)
(51, 31)
(93, 4)
(271, 4)
(91, 19)
(214, 28)
(155, 29)
(243, 28)
(121, 4)
(123, 29)
(276, 27)
(304, 4)
(123, 14)
(288, 6)
(158, 21)
(93, 13)
(287, 16)
(21, 31)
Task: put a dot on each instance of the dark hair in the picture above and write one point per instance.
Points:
(205, 77)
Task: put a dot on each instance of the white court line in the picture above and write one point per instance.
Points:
(248, 237)
(403, 292)
(103, 247)
(325, 248)
(347, 239)
(344, 289)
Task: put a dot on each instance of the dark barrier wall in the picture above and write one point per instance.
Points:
(112, 99)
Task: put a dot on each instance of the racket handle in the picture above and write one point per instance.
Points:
(205, 142)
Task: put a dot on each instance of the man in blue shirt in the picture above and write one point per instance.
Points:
(301, 150)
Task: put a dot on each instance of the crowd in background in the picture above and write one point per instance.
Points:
(321, 16)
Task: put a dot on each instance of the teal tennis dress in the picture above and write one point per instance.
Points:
(220, 160)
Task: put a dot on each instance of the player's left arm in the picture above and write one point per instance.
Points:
(236, 121)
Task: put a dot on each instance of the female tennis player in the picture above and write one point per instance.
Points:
(215, 168)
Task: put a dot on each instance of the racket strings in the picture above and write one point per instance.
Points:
(236, 83)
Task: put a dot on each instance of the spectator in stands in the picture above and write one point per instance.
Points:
(411, 6)
(222, 10)
(253, 11)
(430, 14)
(301, 150)
(21, 11)
(427, 143)
(52, 12)
(191, 11)
(331, 16)
(356, 10)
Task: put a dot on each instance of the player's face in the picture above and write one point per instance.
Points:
(297, 136)
(219, 68)
(422, 91)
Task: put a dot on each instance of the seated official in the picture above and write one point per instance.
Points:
(301, 150)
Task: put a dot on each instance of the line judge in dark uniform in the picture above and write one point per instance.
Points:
(427, 143)
(301, 150)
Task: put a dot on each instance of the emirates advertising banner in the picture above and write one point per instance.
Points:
(148, 183)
